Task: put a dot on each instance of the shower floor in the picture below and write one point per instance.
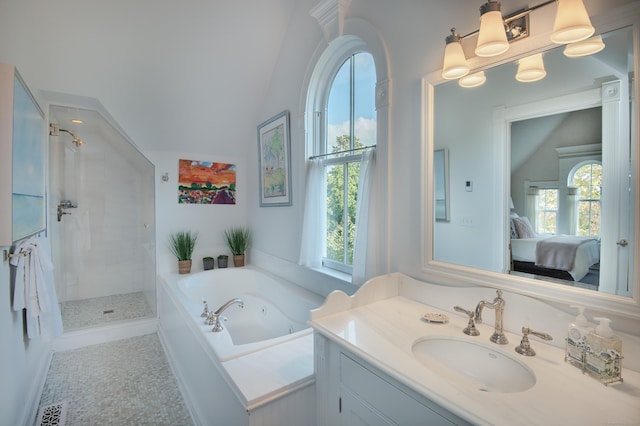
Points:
(103, 310)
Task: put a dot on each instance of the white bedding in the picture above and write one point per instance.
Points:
(587, 254)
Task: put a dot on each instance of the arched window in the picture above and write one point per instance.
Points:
(587, 179)
(343, 97)
(351, 126)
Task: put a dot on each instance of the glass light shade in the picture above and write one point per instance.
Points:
(454, 63)
(473, 80)
(531, 69)
(572, 22)
(492, 38)
(584, 48)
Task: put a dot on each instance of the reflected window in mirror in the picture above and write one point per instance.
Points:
(441, 182)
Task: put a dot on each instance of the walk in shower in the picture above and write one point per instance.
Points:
(101, 220)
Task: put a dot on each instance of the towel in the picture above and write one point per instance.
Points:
(34, 288)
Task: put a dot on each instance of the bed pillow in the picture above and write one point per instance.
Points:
(523, 227)
(514, 231)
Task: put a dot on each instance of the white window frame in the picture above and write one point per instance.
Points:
(580, 199)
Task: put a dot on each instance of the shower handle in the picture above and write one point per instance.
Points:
(64, 204)
(61, 212)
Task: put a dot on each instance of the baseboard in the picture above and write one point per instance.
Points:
(107, 333)
(35, 393)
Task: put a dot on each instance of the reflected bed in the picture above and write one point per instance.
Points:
(558, 256)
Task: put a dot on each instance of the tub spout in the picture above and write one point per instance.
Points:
(214, 317)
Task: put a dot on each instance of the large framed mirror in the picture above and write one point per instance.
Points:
(543, 194)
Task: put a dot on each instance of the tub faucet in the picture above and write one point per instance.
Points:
(497, 305)
(214, 317)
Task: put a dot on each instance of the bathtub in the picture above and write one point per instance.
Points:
(260, 366)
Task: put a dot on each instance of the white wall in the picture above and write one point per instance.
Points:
(23, 362)
(209, 221)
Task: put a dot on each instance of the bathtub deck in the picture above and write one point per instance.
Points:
(265, 375)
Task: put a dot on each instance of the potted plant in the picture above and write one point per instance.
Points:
(208, 262)
(237, 240)
(181, 245)
(223, 259)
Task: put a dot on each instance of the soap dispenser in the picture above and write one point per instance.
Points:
(577, 337)
(604, 351)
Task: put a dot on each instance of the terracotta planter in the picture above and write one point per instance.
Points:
(184, 266)
(238, 260)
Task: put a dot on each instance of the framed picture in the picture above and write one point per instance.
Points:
(274, 147)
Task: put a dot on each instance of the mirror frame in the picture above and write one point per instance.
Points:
(624, 16)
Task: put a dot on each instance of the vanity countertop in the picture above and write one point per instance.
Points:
(381, 325)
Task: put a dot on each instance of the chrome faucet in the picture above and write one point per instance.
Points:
(497, 305)
(214, 317)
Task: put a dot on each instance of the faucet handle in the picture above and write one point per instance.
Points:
(210, 319)
(205, 312)
(470, 329)
(525, 347)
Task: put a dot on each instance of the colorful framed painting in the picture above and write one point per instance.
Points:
(274, 147)
(206, 182)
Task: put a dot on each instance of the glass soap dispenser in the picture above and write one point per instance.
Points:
(604, 352)
(577, 333)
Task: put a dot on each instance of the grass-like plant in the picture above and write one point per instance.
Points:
(182, 244)
(237, 240)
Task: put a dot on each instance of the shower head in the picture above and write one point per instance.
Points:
(54, 130)
(76, 140)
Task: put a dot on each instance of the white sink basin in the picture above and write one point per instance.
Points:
(475, 364)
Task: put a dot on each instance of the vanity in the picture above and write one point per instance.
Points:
(377, 361)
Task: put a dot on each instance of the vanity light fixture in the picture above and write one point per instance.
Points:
(492, 37)
(584, 48)
(454, 63)
(531, 69)
(473, 80)
(572, 23)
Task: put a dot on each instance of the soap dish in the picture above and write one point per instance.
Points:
(435, 318)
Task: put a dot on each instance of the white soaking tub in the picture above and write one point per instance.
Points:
(259, 368)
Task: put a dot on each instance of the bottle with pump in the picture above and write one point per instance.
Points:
(604, 351)
(577, 337)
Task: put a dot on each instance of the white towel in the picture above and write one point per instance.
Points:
(34, 289)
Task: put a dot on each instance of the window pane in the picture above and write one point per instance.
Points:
(341, 237)
(547, 209)
(364, 100)
(353, 173)
(339, 109)
(335, 213)
(588, 180)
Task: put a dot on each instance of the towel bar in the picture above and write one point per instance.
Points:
(6, 255)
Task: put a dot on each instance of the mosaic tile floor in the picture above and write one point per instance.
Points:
(126, 382)
(102, 310)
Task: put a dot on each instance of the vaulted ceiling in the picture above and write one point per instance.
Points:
(175, 75)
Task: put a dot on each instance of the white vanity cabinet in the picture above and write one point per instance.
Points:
(350, 391)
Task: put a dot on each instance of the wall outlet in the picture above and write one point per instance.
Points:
(468, 185)
(466, 221)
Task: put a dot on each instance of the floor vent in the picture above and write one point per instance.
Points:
(52, 415)
(108, 311)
